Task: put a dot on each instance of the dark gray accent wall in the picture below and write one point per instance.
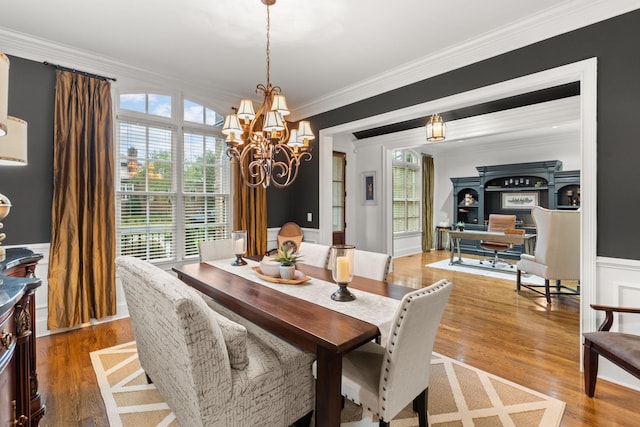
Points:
(30, 187)
(615, 42)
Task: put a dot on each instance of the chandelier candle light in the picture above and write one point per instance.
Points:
(267, 152)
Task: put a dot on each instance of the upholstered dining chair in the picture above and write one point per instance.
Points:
(557, 252)
(387, 378)
(372, 265)
(314, 254)
(212, 250)
(290, 234)
(620, 348)
(498, 222)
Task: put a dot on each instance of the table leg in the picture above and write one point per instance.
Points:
(455, 246)
(329, 378)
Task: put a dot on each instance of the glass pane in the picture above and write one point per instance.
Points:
(159, 105)
(193, 112)
(336, 221)
(212, 118)
(412, 187)
(134, 102)
(337, 168)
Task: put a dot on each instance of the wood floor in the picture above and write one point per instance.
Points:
(486, 324)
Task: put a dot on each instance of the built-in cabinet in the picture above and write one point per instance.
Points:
(512, 189)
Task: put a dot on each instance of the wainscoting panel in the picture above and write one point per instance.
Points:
(618, 284)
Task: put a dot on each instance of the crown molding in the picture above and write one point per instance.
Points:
(552, 22)
(128, 76)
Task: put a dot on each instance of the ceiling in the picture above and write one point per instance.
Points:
(319, 49)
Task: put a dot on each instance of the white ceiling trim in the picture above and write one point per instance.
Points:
(565, 18)
(538, 118)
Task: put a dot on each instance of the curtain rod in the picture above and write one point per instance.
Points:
(73, 70)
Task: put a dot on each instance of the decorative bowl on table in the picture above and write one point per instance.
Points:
(269, 267)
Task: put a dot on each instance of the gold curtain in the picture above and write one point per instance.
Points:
(81, 275)
(249, 212)
(427, 203)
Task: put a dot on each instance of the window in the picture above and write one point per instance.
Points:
(406, 191)
(173, 178)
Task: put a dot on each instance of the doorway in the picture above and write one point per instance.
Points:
(582, 71)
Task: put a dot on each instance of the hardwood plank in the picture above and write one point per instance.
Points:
(485, 324)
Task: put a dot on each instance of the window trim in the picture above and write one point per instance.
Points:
(179, 127)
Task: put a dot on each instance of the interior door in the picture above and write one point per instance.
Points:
(339, 195)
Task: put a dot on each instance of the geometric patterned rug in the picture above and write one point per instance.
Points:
(459, 396)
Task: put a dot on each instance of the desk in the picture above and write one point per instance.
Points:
(492, 236)
(326, 333)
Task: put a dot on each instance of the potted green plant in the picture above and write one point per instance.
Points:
(287, 258)
(460, 226)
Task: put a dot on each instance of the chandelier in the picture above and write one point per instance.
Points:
(435, 128)
(267, 152)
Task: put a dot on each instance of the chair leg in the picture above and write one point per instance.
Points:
(383, 424)
(590, 361)
(420, 406)
(547, 291)
(558, 285)
(304, 421)
(518, 280)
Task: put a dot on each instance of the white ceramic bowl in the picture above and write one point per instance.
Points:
(270, 267)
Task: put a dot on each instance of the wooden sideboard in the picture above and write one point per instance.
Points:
(18, 376)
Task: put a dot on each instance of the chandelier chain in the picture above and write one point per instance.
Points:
(268, 47)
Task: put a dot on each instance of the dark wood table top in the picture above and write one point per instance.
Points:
(305, 323)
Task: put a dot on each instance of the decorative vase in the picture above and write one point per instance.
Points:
(287, 272)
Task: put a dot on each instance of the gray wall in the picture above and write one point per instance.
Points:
(614, 42)
(30, 187)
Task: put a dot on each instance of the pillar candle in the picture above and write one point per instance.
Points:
(239, 246)
(342, 269)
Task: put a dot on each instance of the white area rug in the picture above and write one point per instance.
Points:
(459, 395)
(473, 266)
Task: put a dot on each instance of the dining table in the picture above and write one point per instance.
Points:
(326, 332)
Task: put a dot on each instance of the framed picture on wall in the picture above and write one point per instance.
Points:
(369, 188)
(519, 200)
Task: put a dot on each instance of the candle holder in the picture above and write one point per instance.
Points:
(239, 240)
(342, 271)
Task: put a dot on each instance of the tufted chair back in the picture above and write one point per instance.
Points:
(406, 368)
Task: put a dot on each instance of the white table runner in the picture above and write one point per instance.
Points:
(371, 308)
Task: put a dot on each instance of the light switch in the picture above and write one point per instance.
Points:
(309, 217)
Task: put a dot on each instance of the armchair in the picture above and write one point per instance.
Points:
(557, 252)
(619, 348)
